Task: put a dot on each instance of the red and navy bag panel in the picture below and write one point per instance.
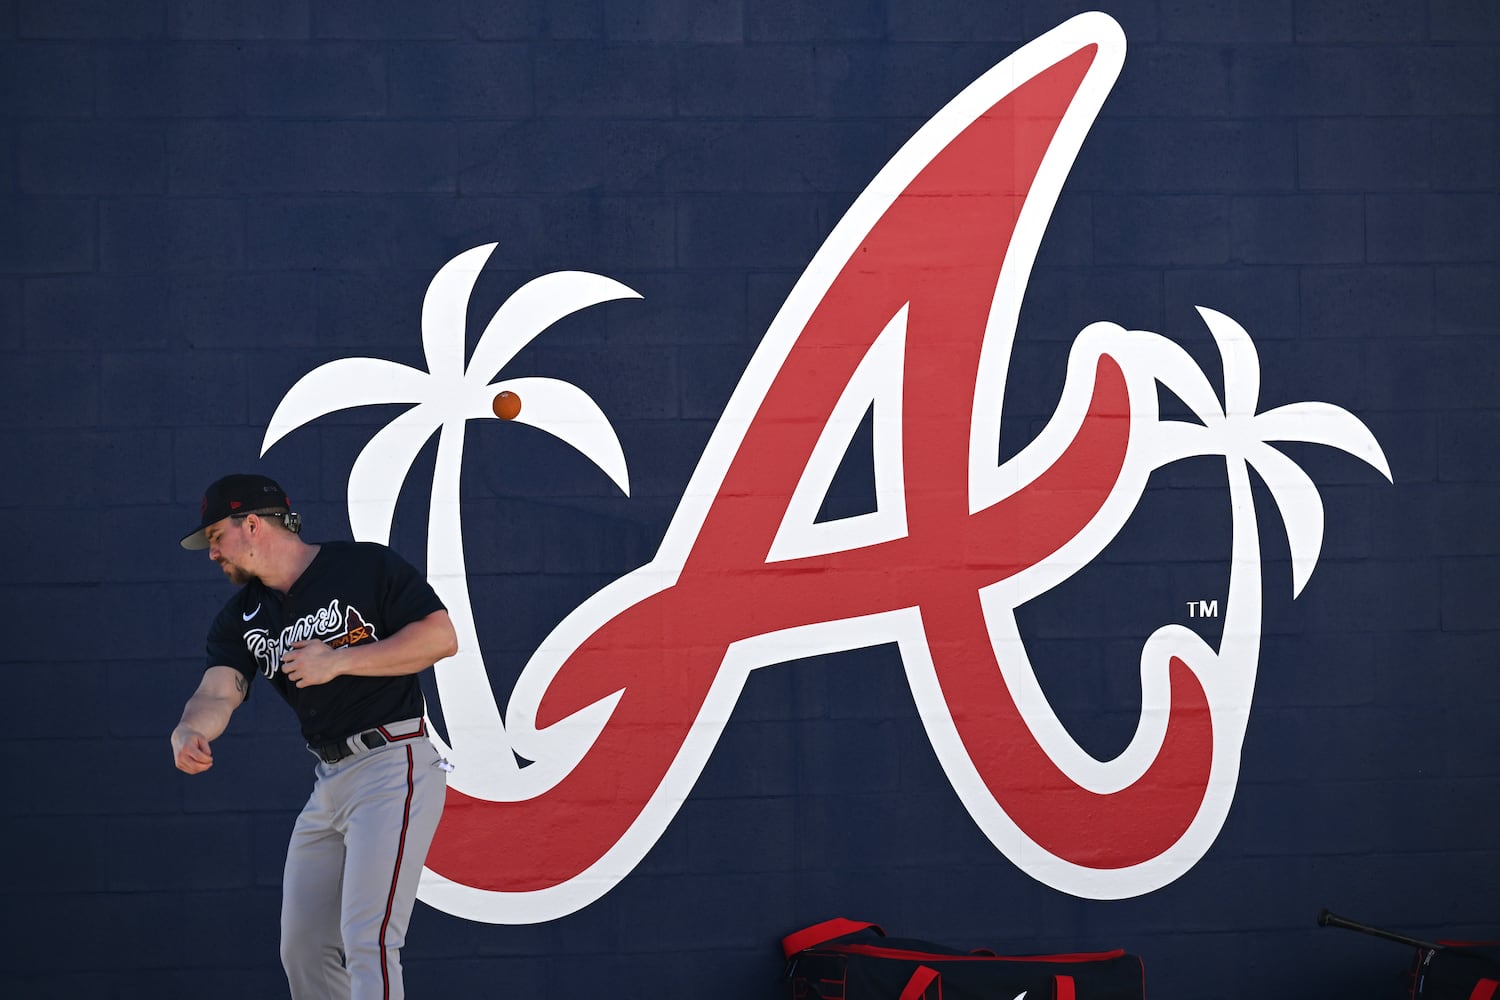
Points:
(851, 960)
(1460, 970)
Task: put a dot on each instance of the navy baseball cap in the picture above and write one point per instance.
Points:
(240, 493)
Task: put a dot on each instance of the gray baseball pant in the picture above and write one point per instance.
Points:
(352, 869)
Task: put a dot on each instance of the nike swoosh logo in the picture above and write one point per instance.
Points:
(251, 614)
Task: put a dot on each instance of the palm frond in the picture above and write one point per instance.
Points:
(570, 415)
(533, 308)
(445, 310)
(1301, 508)
(1326, 424)
(340, 385)
(1241, 363)
(380, 470)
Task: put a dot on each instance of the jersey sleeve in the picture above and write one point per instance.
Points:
(406, 595)
(226, 644)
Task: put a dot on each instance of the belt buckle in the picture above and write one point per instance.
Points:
(330, 753)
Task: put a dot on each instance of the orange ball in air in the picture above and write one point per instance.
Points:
(506, 405)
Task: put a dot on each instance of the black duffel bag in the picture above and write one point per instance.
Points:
(1457, 970)
(849, 960)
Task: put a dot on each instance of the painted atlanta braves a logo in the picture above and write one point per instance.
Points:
(915, 295)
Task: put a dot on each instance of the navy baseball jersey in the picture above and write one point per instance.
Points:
(352, 593)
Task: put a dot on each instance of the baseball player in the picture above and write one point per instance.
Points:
(341, 630)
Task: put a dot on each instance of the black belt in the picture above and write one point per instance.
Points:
(370, 739)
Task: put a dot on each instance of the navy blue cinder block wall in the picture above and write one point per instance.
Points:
(202, 201)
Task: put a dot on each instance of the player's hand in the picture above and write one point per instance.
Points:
(310, 662)
(191, 751)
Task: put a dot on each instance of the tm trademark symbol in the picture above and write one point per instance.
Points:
(1203, 609)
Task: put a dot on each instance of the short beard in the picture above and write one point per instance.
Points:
(237, 576)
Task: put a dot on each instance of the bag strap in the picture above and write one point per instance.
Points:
(1063, 987)
(916, 986)
(811, 937)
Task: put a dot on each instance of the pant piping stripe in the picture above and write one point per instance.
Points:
(390, 900)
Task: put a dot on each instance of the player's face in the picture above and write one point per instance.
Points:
(227, 546)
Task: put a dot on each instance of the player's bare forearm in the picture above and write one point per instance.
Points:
(207, 714)
(408, 650)
(205, 717)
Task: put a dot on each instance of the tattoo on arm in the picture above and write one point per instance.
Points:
(242, 685)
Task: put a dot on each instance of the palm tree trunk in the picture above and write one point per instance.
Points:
(1239, 646)
(479, 748)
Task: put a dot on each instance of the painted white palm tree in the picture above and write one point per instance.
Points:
(1246, 440)
(447, 396)
(1247, 435)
